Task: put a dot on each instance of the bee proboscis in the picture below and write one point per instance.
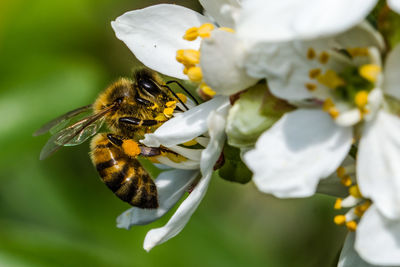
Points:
(130, 109)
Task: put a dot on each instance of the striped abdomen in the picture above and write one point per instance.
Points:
(122, 174)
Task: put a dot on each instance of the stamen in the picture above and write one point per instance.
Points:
(338, 204)
(171, 104)
(168, 112)
(311, 53)
(341, 172)
(351, 225)
(339, 219)
(311, 86)
(361, 99)
(191, 34)
(358, 51)
(190, 143)
(355, 191)
(207, 90)
(346, 180)
(227, 29)
(370, 72)
(329, 107)
(323, 57)
(314, 73)
(204, 30)
(195, 74)
(188, 57)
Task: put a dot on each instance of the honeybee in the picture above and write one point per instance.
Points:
(130, 109)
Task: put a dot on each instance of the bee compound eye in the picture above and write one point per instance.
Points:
(149, 86)
(119, 100)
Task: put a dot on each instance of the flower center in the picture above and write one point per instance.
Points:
(346, 89)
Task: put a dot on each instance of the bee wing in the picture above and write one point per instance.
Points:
(62, 121)
(75, 134)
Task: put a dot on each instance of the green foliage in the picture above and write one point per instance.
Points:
(234, 169)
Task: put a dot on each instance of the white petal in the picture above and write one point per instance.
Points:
(171, 185)
(216, 129)
(391, 83)
(395, 5)
(284, 20)
(378, 239)
(221, 65)
(187, 126)
(154, 34)
(293, 155)
(288, 79)
(180, 218)
(184, 165)
(223, 11)
(349, 257)
(378, 165)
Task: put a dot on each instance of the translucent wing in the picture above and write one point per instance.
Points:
(60, 122)
(75, 134)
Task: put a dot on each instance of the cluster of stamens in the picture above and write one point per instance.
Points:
(190, 58)
(355, 201)
(340, 84)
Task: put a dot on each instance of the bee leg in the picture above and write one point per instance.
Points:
(139, 122)
(128, 146)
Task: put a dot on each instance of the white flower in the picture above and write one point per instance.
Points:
(155, 36)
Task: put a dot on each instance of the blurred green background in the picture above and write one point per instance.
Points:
(58, 55)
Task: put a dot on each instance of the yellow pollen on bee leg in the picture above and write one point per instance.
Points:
(361, 99)
(131, 148)
(204, 30)
(182, 97)
(338, 204)
(323, 57)
(207, 90)
(355, 191)
(339, 219)
(311, 53)
(191, 34)
(310, 86)
(370, 72)
(314, 73)
(168, 112)
(171, 104)
(351, 225)
(195, 74)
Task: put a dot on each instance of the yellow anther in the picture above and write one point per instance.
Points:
(168, 112)
(310, 86)
(131, 148)
(171, 104)
(355, 191)
(328, 104)
(185, 70)
(338, 204)
(334, 113)
(370, 72)
(339, 219)
(227, 29)
(361, 99)
(351, 225)
(190, 143)
(182, 97)
(323, 57)
(160, 117)
(195, 74)
(174, 157)
(188, 57)
(204, 30)
(330, 79)
(191, 34)
(358, 51)
(346, 181)
(207, 90)
(311, 53)
(341, 172)
(361, 209)
(314, 73)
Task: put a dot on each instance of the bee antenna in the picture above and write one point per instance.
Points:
(184, 89)
(180, 101)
